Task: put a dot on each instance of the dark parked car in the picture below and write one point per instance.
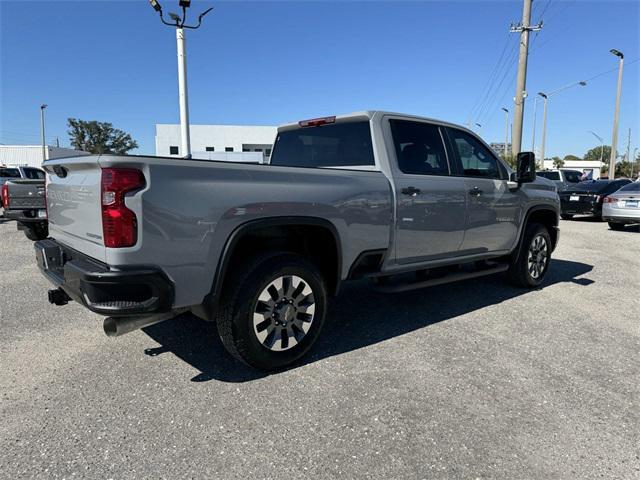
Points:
(585, 198)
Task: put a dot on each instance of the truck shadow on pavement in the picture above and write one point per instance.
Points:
(357, 318)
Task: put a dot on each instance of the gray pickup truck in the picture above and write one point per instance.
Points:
(23, 200)
(407, 201)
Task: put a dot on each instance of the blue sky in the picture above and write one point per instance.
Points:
(269, 63)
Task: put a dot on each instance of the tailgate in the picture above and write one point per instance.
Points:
(26, 194)
(73, 201)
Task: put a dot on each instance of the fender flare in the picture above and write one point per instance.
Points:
(536, 208)
(210, 302)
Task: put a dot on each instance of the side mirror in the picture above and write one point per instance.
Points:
(526, 162)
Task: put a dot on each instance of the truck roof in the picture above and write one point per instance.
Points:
(370, 114)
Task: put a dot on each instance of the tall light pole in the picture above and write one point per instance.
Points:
(601, 144)
(533, 135)
(42, 138)
(546, 96)
(179, 24)
(506, 132)
(614, 138)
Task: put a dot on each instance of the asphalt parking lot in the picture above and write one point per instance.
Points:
(471, 380)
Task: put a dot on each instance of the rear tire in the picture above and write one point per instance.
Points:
(36, 232)
(530, 266)
(566, 216)
(271, 297)
(616, 226)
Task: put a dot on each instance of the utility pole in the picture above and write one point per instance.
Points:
(179, 24)
(616, 118)
(506, 132)
(521, 83)
(42, 138)
(629, 147)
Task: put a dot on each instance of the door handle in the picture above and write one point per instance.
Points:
(475, 192)
(412, 191)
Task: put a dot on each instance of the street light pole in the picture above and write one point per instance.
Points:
(506, 132)
(601, 145)
(533, 135)
(546, 96)
(42, 137)
(182, 92)
(179, 24)
(616, 118)
(544, 126)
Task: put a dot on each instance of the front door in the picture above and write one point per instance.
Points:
(431, 203)
(493, 210)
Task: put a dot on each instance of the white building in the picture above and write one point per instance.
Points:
(228, 139)
(593, 166)
(31, 155)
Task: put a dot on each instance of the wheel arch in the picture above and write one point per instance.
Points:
(290, 233)
(545, 215)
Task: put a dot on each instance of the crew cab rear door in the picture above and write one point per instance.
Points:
(430, 201)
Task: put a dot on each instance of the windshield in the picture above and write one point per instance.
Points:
(346, 144)
(631, 187)
(591, 186)
(9, 172)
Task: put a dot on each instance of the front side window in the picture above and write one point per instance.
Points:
(476, 159)
(346, 144)
(419, 148)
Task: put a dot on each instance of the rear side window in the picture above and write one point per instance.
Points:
(572, 176)
(615, 186)
(9, 172)
(33, 173)
(334, 145)
(549, 175)
(419, 148)
(476, 159)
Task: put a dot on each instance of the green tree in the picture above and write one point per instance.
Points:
(596, 152)
(558, 162)
(99, 137)
(571, 158)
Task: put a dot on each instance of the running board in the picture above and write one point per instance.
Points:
(454, 277)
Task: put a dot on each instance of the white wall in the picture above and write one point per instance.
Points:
(217, 136)
(31, 155)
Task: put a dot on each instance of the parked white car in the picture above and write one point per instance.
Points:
(622, 207)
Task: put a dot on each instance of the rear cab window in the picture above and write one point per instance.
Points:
(572, 176)
(33, 173)
(336, 145)
(9, 173)
(549, 175)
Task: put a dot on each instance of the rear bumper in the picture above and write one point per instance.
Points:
(25, 216)
(103, 289)
(581, 208)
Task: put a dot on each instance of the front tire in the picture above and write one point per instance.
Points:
(272, 310)
(616, 226)
(530, 266)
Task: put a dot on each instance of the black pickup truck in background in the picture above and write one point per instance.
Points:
(24, 201)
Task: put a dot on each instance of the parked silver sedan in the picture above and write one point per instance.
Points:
(622, 207)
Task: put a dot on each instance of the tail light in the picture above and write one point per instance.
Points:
(610, 200)
(5, 195)
(317, 122)
(119, 224)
